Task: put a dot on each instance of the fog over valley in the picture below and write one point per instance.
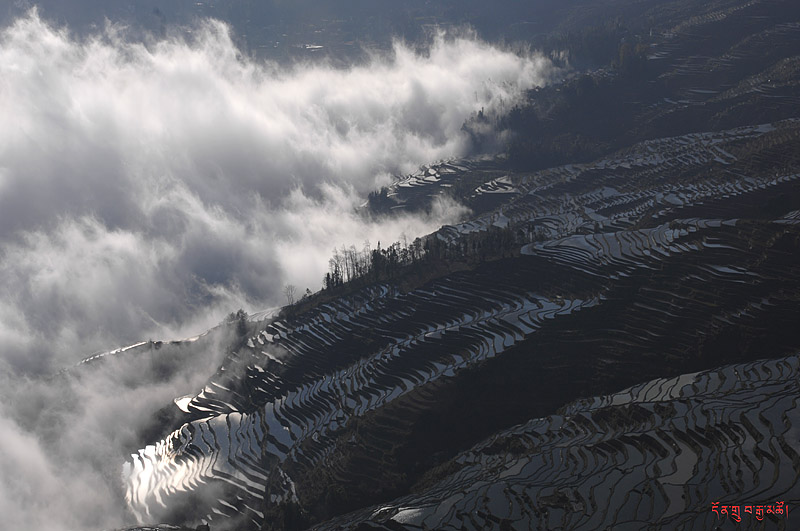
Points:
(394, 264)
(148, 189)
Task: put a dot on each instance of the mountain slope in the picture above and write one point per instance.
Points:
(642, 234)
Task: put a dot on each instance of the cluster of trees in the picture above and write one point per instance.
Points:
(631, 58)
(379, 201)
(403, 259)
(290, 290)
(348, 264)
(240, 318)
(476, 247)
(591, 46)
(585, 117)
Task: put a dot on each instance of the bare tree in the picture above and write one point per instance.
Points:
(289, 290)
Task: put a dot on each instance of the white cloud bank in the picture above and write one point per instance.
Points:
(143, 187)
(146, 190)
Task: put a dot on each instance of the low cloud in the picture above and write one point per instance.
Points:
(144, 187)
(147, 189)
(64, 438)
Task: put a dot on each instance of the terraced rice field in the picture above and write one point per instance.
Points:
(669, 269)
(279, 405)
(656, 455)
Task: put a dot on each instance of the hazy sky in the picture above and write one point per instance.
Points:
(147, 190)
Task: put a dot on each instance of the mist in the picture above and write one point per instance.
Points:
(149, 188)
(64, 438)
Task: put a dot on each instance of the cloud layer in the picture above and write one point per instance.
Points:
(146, 189)
(144, 186)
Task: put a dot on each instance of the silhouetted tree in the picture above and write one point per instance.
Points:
(240, 318)
(289, 290)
